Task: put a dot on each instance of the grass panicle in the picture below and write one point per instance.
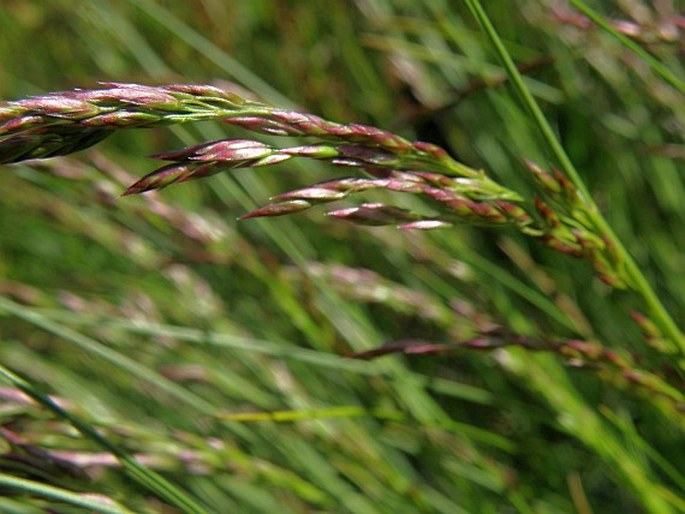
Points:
(61, 123)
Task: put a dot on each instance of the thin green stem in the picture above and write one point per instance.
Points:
(657, 66)
(141, 474)
(637, 279)
(92, 504)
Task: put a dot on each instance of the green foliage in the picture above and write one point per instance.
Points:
(157, 352)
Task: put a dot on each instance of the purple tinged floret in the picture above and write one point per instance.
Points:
(160, 178)
(375, 214)
(278, 209)
(57, 106)
(134, 94)
(234, 150)
(119, 119)
(427, 224)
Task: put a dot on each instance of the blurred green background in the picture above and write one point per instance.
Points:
(161, 318)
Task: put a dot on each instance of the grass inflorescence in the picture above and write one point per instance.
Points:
(61, 123)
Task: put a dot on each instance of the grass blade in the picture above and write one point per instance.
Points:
(108, 354)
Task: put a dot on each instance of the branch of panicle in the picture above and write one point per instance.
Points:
(612, 365)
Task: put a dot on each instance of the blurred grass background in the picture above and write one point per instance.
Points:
(173, 328)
